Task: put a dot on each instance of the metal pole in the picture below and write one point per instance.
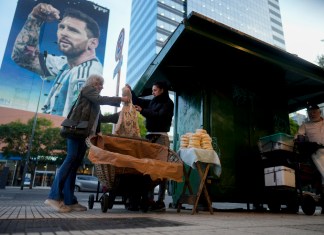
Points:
(117, 87)
(31, 138)
(14, 176)
(33, 129)
(117, 94)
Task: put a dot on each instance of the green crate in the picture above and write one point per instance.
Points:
(279, 141)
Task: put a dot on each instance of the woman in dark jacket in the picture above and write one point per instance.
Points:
(158, 113)
(61, 196)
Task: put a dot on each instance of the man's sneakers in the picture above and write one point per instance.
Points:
(59, 206)
(158, 206)
(77, 207)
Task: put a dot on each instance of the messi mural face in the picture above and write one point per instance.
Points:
(58, 41)
(72, 37)
(77, 35)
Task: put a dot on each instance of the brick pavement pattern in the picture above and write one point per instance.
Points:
(20, 215)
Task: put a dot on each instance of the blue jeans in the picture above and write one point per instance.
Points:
(64, 181)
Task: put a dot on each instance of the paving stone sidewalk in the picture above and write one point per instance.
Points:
(24, 212)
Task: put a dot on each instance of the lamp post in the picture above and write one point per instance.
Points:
(119, 59)
(30, 143)
(45, 175)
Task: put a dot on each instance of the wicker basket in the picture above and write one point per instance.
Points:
(107, 173)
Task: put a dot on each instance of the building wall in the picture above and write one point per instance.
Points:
(151, 28)
(24, 89)
(236, 114)
(260, 19)
(143, 38)
(10, 115)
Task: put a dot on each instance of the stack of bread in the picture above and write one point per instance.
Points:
(200, 139)
(206, 142)
(184, 140)
(194, 141)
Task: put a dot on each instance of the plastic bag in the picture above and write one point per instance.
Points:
(127, 124)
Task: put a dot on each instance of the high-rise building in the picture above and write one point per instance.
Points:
(153, 21)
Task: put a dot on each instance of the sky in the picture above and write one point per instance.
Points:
(303, 24)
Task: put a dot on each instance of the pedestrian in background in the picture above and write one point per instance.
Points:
(313, 131)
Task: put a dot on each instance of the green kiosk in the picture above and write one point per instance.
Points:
(239, 89)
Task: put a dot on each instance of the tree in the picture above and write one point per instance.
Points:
(141, 123)
(47, 140)
(320, 61)
(293, 126)
(106, 128)
(47, 144)
(14, 137)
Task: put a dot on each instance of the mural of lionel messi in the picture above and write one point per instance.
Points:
(61, 42)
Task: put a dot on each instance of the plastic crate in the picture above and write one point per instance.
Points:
(279, 176)
(279, 141)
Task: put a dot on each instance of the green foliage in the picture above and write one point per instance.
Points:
(52, 143)
(141, 123)
(106, 128)
(293, 126)
(15, 138)
(47, 145)
(320, 61)
(47, 141)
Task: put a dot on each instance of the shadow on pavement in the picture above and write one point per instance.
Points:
(57, 225)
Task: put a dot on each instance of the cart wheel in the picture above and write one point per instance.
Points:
(308, 204)
(91, 201)
(112, 197)
(274, 206)
(105, 203)
(144, 204)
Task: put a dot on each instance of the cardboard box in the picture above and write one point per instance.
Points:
(279, 141)
(279, 176)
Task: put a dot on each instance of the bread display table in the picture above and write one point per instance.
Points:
(203, 160)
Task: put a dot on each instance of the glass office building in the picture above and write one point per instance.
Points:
(153, 21)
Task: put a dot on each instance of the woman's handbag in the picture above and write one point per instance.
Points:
(74, 129)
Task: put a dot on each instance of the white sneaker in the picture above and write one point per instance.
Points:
(77, 207)
(57, 205)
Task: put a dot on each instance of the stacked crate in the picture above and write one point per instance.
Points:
(276, 150)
